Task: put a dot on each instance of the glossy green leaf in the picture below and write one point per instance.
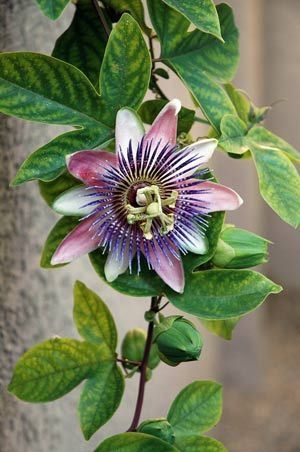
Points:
(56, 235)
(92, 318)
(52, 189)
(200, 60)
(52, 8)
(199, 443)
(49, 161)
(100, 398)
(83, 43)
(126, 68)
(150, 109)
(133, 7)
(134, 442)
(202, 13)
(223, 328)
(191, 260)
(233, 135)
(222, 294)
(147, 283)
(196, 409)
(41, 88)
(53, 368)
(266, 138)
(240, 101)
(274, 169)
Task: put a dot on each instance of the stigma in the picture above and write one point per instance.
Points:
(150, 208)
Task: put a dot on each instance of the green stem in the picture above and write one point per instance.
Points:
(201, 120)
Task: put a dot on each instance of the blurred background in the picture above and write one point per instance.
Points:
(259, 368)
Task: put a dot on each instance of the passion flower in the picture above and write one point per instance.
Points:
(147, 199)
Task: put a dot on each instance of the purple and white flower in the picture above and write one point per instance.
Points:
(144, 200)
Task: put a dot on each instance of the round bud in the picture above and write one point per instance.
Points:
(133, 347)
(160, 428)
(177, 340)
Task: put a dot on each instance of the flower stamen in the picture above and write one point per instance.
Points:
(151, 207)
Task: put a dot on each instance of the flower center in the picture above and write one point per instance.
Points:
(150, 208)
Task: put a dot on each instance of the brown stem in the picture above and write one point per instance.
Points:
(143, 369)
(101, 17)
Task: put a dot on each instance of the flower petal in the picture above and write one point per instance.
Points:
(195, 243)
(128, 127)
(89, 166)
(213, 197)
(165, 264)
(83, 239)
(116, 265)
(79, 201)
(164, 127)
(187, 160)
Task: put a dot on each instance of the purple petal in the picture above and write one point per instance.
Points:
(166, 265)
(213, 197)
(164, 128)
(82, 240)
(89, 166)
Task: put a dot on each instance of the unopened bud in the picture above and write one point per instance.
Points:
(160, 428)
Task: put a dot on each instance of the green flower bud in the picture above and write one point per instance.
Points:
(160, 428)
(133, 347)
(238, 248)
(177, 340)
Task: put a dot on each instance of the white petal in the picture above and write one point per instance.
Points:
(195, 244)
(115, 266)
(74, 202)
(194, 156)
(128, 127)
(202, 149)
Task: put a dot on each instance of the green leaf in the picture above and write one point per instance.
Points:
(92, 318)
(192, 261)
(274, 169)
(200, 60)
(56, 235)
(43, 89)
(196, 409)
(51, 190)
(126, 68)
(222, 294)
(264, 137)
(150, 109)
(147, 283)
(100, 398)
(201, 13)
(199, 443)
(53, 368)
(233, 134)
(49, 161)
(240, 101)
(83, 43)
(52, 8)
(134, 442)
(222, 328)
(133, 7)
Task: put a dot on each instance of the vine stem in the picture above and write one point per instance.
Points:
(101, 17)
(143, 369)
